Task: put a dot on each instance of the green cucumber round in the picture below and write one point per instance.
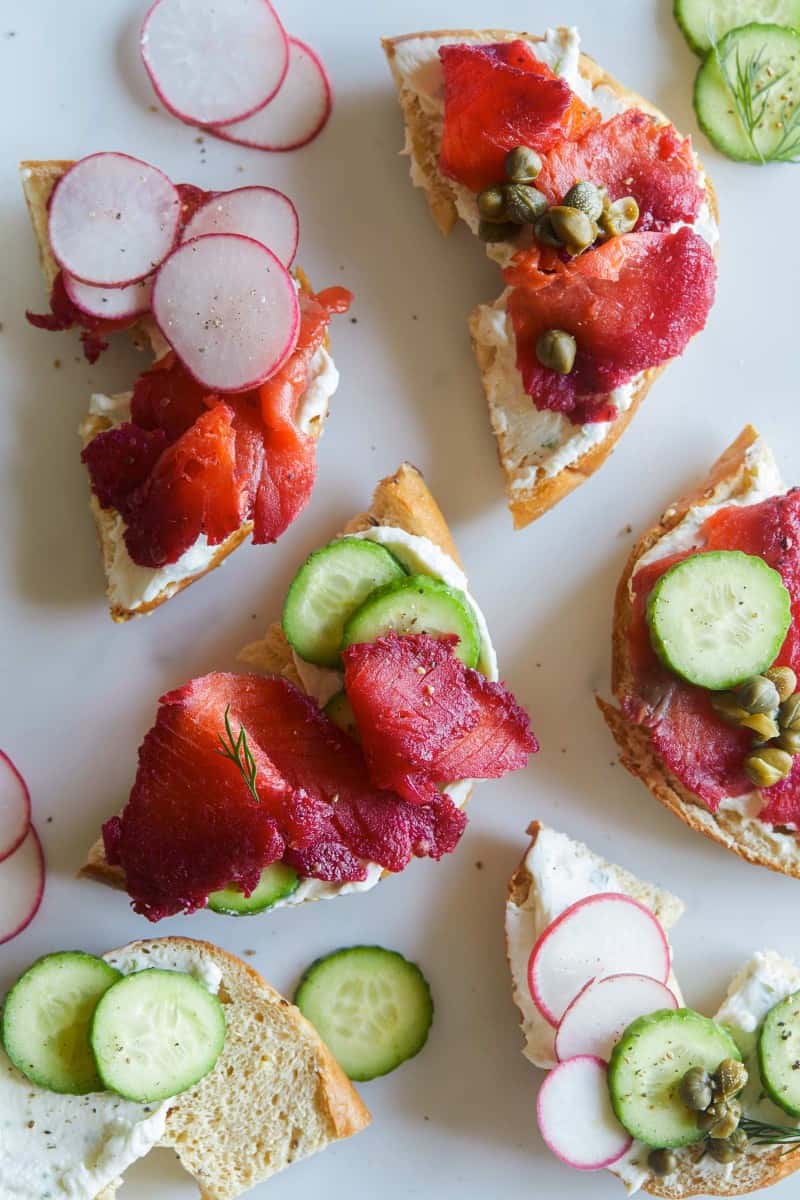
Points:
(418, 604)
(277, 881)
(46, 1019)
(718, 618)
(647, 1066)
(371, 1007)
(331, 584)
(340, 711)
(760, 63)
(702, 20)
(779, 1054)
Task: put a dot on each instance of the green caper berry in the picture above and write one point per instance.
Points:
(523, 204)
(695, 1089)
(767, 766)
(497, 231)
(708, 1119)
(758, 695)
(784, 679)
(492, 204)
(789, 741)
(729, 1078)
(738, 1140)
(763, 726)
(585, 196)
(522, 164)
(662, 1162)
(573, 228)
(544, 233)
(727, 1120)
(620, 216)
(721, 1150)
(789, 714)
(556, 350)
(725, 706)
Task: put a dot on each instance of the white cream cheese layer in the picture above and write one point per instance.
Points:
(59, 1147)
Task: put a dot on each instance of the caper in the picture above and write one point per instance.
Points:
(497, 231)
(556, 349)
(729, 1114)
(585, 196)
(522, 164)
(784, 679)
(726, 707)
(523, 204)
(662, 1162)
(729, 1078)
(543, 231)
(738, 1140)
(620, 216)
(762, 724)
(708, 1119)
(721, 1150)
(758, 695)
(789, 714)
(695, 1089)
(492, 204)
(573, 228)
(789, 741)
(767, 766)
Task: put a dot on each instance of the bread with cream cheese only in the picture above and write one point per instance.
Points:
(528, 912)
(132, 590)
(746, 465)
(537, 473)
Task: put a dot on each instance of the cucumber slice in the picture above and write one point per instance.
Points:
(417, 604)
(331, 584)
(371, 1006)
(647, 1066)
(755, 69)
(277, 881)
(340, 711)
(46, 1020)
(155, 1034)
(779, 1053)
(702, 20)
(718, 618)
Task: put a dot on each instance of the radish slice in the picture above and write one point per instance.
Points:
(262, 213)
(600, 1013)
(113, 219)
(575, 1116)
(229, 310)
(15, 807)
(21, 886)
(114, 304)
(211, 61)
(604, 934)
(296, 115)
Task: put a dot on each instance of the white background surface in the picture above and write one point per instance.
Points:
(78, 693)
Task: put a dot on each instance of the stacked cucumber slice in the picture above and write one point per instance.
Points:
(277, 881)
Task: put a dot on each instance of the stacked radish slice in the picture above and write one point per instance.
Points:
(21, 858)
(231, 69)
(597, 967)
(223, 297)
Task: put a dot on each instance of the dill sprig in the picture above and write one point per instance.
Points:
(752, 82)
(238, 751)
(761, 1133)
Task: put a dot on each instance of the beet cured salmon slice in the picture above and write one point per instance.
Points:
(496, 97)
(192, 825)
(631, 304)
(426, 719)
(704, 753)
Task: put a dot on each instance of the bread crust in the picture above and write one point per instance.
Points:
(525, 504)
(744, 837)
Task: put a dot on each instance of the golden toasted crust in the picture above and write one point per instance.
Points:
(525, 504)
(746, 837)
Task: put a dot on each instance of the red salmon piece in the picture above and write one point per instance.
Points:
(497, 97)
(121, 460)
(426, 719)
(630, 304)
(64, 314)
(631, 155)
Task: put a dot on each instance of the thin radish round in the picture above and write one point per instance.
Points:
(600, 1013)
(298, 112)
(21, 886)
(229, 310)
(575, 1116)
(213, 62)
(113, 219)
(15, 807)
(113, 304)
(604, 934)
(262, 213)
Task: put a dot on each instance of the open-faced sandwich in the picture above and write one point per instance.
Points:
(662, 1096)
(165, 1042)
(217, 438)
(352, 750)
(706, 654)
(601, 218)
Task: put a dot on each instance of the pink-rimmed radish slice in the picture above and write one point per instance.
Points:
(21, 886)
(213, 61)
(575, 1116)
(229, 310)
(604, 934)
(262, 213)
(112, 304)
(600, 1013)
(113, 219)
(296, 115)
(15, 807)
